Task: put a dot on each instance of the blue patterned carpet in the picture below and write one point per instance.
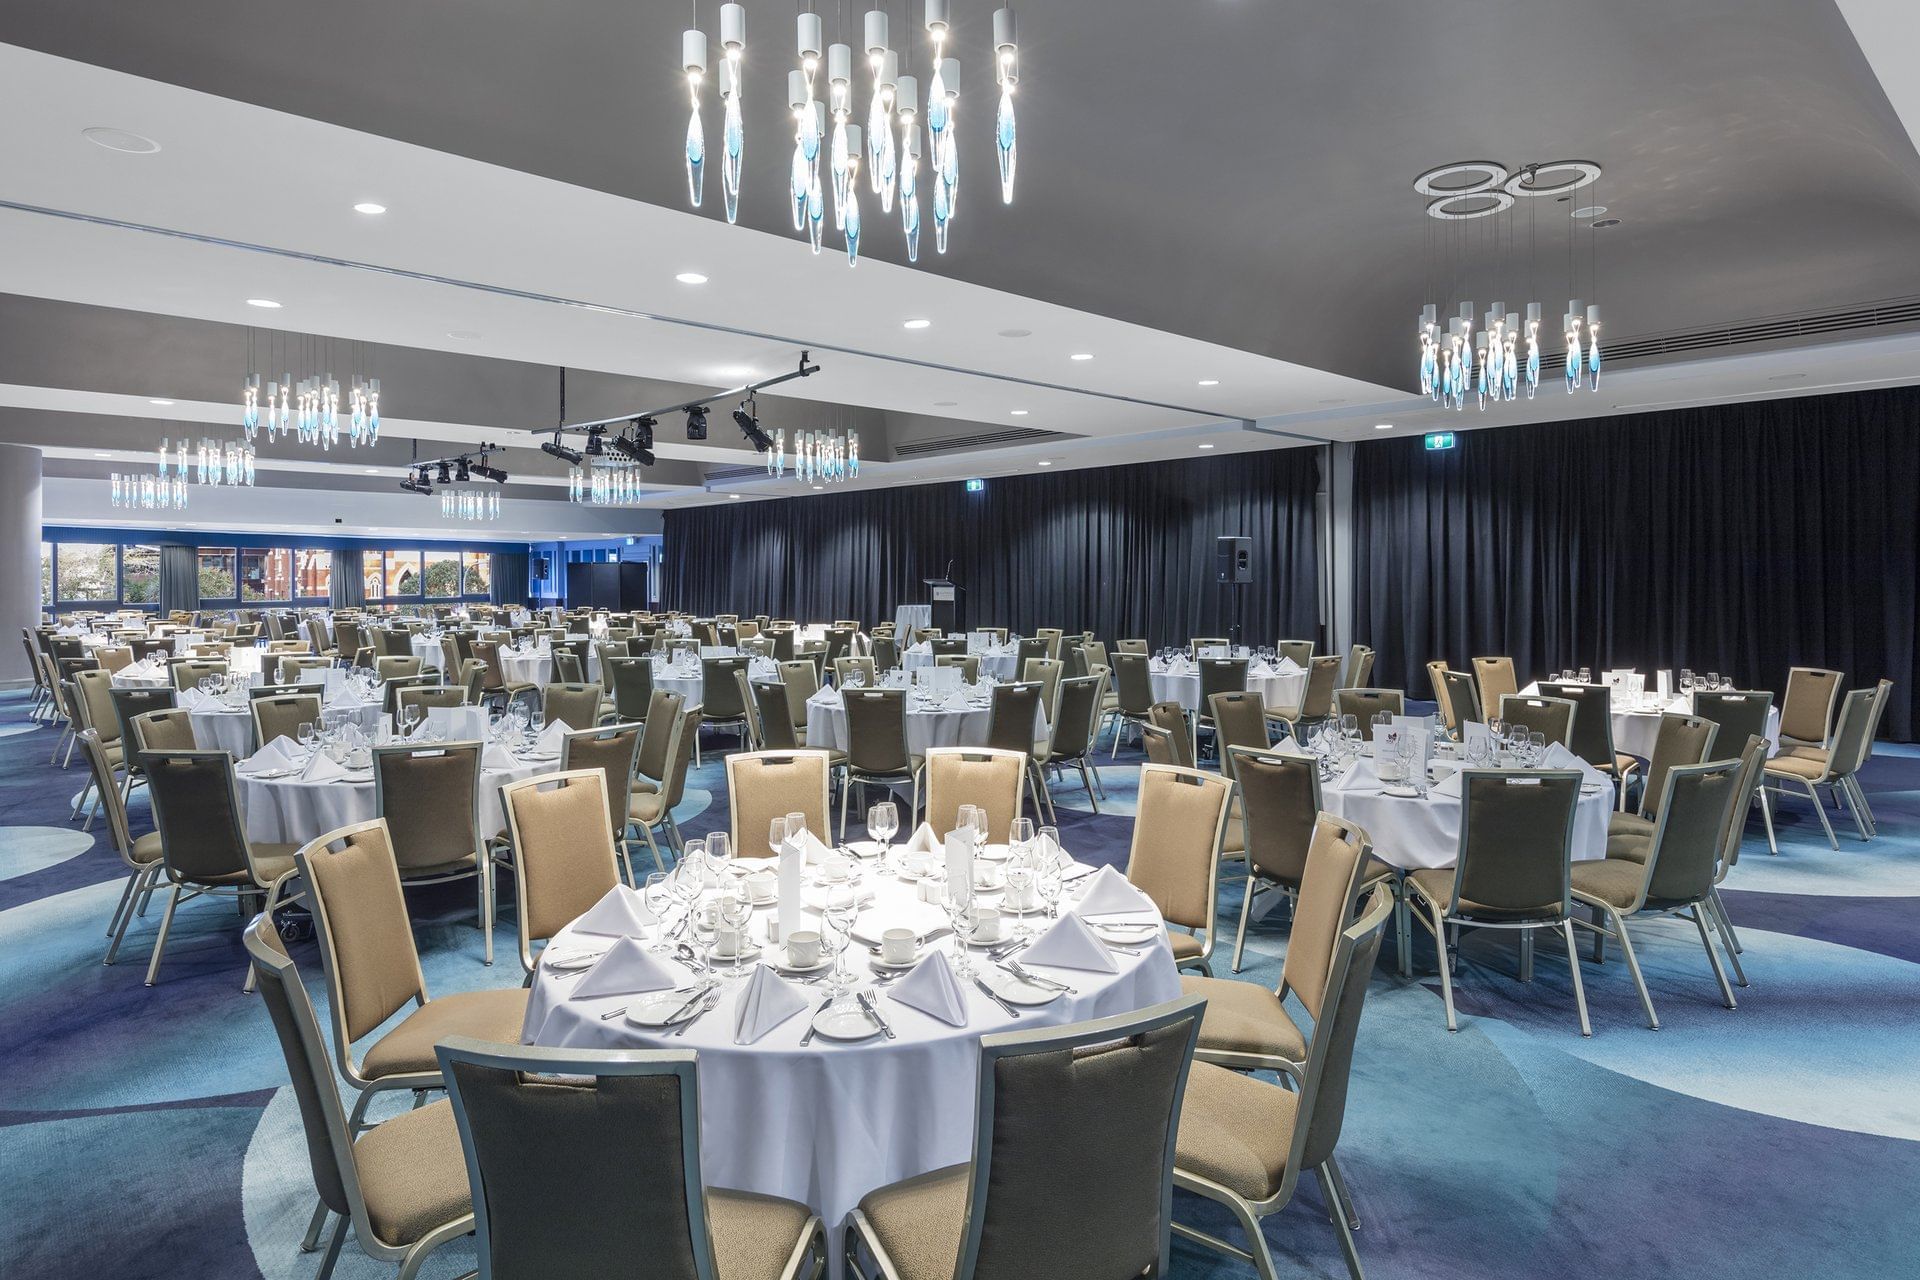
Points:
(151, 1133)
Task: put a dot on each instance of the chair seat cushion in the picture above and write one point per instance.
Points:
(646, 807)
(1613, 881)
(453, 868)
(1629, 824)
(1629, 848)
(1816, 754)
(1185, 945)
(1436, 885)
(643, 786)
(753, 1235)
(146, 850)
(491, 1015)
(918, 1223)
(1244, 1017)
(270, 861)
(1235, 1130)
(413, 1173)
(1786, 766)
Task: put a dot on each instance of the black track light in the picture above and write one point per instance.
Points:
(560, 451)
(487, 472)
(635, 449)
(750, 428)
(697, 422)
(416, 484)
(461, 472)
(445, 476)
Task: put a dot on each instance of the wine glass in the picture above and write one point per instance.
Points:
(410, 717)
(836, 919)
(734, 913)
(1020, 836)
(776, 836)
(963, 819)
(685, 884)
(797, 829)
(979, 829)
(883, 820)
(719, 853)
(959, 914)
(306, 735)
(658, 895)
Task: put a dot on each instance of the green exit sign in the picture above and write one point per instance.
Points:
(1439, 439)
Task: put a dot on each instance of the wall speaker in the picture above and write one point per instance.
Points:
(541, 568)
(1233, 559)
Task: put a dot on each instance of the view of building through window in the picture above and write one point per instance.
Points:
(129, 573)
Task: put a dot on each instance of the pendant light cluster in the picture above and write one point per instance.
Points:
(314, 407)
(819, 457)
(212, 463)
(1502, 359)
(893, 167)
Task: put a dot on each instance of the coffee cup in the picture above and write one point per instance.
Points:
(919, 862)
(897, 946)
(727, 942)
(763, 886)
(708, 914)
(1022, 897)
(835, 870)
(987, 924)
(803, 948)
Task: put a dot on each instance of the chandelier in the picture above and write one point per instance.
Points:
(892, 165)
(819, 457)
(312, 407)
(470, 502)
(1502, 359)
(162, 489)
(607, 482)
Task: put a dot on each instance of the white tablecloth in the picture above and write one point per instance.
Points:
(428, 651)
(218, 727)
(1635, 731)
(142, 676)
(827, 725)
(535, 667)
(289, 811)
(1276, 691)
(830, 1122)
(1410, 833)
(1000, 663)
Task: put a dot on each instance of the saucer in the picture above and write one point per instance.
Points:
(887, 966)
(778, 959)
(659, 1008)
(714, 957)
(847, 1024)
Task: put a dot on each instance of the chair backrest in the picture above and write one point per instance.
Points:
(281, 715)
(396, 668)
(1130, 646)
(426, 696)
(1077, 716)
(1052, 637)
(168, 729)
(680, 758)
(1806, 710)
(1462, 700)
(865, 666)
(802, 680)
(575, 704)
(1026, 651)
(982, 776)
(1221, 675)
(197, 809)
(1592, 730)
(114, 657)
(876, 729)
(1359, 667)
(1010, 719)
(776, 722)
(968, 663)
(567, 667)
(1160, 745)
(1239, 720)
(839, 642)
(1365, 704)
(1551, 718)
(1753, 759)
(96, 693)
(1279, 802)
(1323, 1084)
(189, 673)
(663, 719)
(562, 850)
(1056, 1104)
(1740, 713)
(1133, 681)
(612, 749)
(1171, 718)
(764, 785)
(886, 653)
(1883, 690)
(1696, 803)
(1197, 643)
(1328, 900)
(626, 1123)
(436, 793)
(1850, 737)
(289, 668)
(1680, 740)
(1323, 673)
(1516, 842)
(109, 789)
(1495, 678)
(361, 923)
(1048, 672)
(488, 652)
(1436, 677)
(1180, 822)
(1301, 651)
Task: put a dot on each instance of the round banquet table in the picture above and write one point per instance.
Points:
(535, 666)
(1280, 689)
(290, 811)
(220, 727)
(1636, 721)
(826, 1123)
(690, 681)
(927, 726)
(1411, 833)
(999, 663)
(143, 675)
(428, 651)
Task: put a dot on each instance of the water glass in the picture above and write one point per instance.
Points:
(306, 735)
(1536, 747)
(776, 836)
(883, 820)
(963, 818)
(719, 853)
(735, 913)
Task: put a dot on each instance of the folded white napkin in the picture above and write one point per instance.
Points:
(497, 757)
(626, 970)
(1070, 945)
(1287, 667)
(923, 840)
(1361, 777)
(1110, 894)
(552, 738)
(322, 769)
(815, 895)
(277, 754)
(932, 989)
(620, 913)
(765, 1002)
(1557, 756)
(1259, 671)
(921, 917)
(814, 851)
(1454, 785)
(921, 648)
(827, 697)
(190, 699)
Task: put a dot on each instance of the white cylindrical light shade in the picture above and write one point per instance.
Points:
(936, 15)
(950, 76)
(1593, 315)
(906, 95)
(808, 25)
(1533, 313)
(693, 49)
(1003, 31)
(889, 69)
(1430, 314)
(797, 94)
(1513, 320)
(1466, 312)
(733, 26)
(876, 31)
(1576, 308)
(839, 64)
(853, 142)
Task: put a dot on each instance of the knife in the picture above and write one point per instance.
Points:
(994, 996)
(812, 1023)
(1027, 975)
(699, 994)
(873, 1011)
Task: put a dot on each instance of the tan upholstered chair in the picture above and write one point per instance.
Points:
(1162, 746)
(1551, 718)
(1244, 1142)
(980, 776)
(372, 969)
(1175, 856)
(1752, 757)
(567, 667)
(1239, 720)
(648, 808)
(430, 797)
(1495, 680)
(1219, 675)
(801, 680)
(1365, 704)
(1511, 872)
(142, 856)
(1359, 667)
(396, 668)
(575, 705)
(866, 667)
(496, 683)
(764, 785)
(1131, 646)
(1171, 718)
(1010, 728)
(291, 668)
(630, 1121)
(1742, 714)
(1052, 636)
(427, 697)
(1047, 673)
(402, 1186)
(1436, 676)
(632, 683)
(1837, 769)
(169, 729)
(1053, 1107)
(281, 715)
(1301, 651)
(1462, 700)
(189, 672)
(1680, 740)
(1806, 709)
(563, 852)
(612, 749)
(1316, 699)
(1197, 643)
(969, 664)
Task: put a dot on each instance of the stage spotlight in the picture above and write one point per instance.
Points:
(560, 451)
(596, 442)
(486, 472)
(461, 473)
(416, 484)
(445, 476)
(750, 428)
(697, 422)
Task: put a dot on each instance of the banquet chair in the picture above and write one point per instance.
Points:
(885, 654)
(1026, 651)
(1197, 643)
(282, 715)
(1462, 700)
(969, 664)
(391, 643)
(1218, 675)
(1130, 646)
(470, 676)
(1551, 718)
(1316, 699)
(986, 777)
(391, 690)
(626, 1122)
(1047, 673)
(567, 668)
(127, 704)
(427, 696)
(755, 737)
(1160, 746)
(647, 809)
(401, 1186)
(372, 969)
(203, 847)
(292, 667)
(1052, 637)
(496, 682)
(1072, 1165)
(949, 646)
(839, 642)
(1180, 822)
(776, 722)
(576, 705)
(1837, 769)
(1681, 740)
(1883, 690)
(1073, 660)
(784, 642)
(1806, 709)
(1592, 733)
(1512, 870)
(1075, 726)
(764, 785)
(141, 856)
(1359, 667)
(396, 668)
(1495, 680)
(208, 649)
(433, 818)
(1171, 718)
(450, 657)
(868, 670)
(661, 719)
(564, 858)
(93, 702)
(1436, 673)
(1365, 704)
(158, 647)
(802, 680)
(876, 748)
(1243, 1142)
(1753, 755)
(1740, 714)
(168, 729)
(1240, 720)
(189, 672)
(1012, 708)
(114, 657)
(613, 749)
(1279, 798)
(1133, 694)
(1301, 651)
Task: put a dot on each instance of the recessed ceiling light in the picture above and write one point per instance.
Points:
(734, 496)
(1786, 377)
(1207, 445)
(372, 471)
(691, 277)
(1045, 462)
(1590, 211)
(120, 140)
(916, 324)
(268, 303)
(1209, 382)
(1081, 355)
(1016, 333)
(945, 404)
(463, 335)
(102, 455)
(817, 488)
(369, 207)
(1383, 426)
(1604, 223)
(1018, 413)
(159, 402)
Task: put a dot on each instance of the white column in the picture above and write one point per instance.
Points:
(19, 557)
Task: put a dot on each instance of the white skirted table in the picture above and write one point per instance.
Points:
(222, 726)
(963, 723)
(1001, 662)
(1411, 832)
(535, 666)
(1277, 689)
(288, 809)
(1636, 721)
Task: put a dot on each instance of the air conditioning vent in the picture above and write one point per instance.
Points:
(985, 439)
(1900, 312)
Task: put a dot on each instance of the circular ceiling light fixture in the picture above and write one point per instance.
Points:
(1207, 445)
(1383, 426)
(691, 277)
(1462, 205)
(917, 324)
(369, 208)
(1490, 175)
(1016, 333)
(1081, 355)
(1044, 462)
(1527, 182)
(267, 303)
(132, 144)
(1589, 211)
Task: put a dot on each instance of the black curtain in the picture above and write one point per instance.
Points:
(1740, 538)
(179, 577)
(347, 589)
(1124, 551)
(509, 577)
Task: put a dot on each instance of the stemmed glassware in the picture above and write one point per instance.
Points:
(836, 920)
(776, 836)
(883, 820)
(658, 895)
(735, 912)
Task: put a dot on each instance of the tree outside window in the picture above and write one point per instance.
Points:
(88, 571)
(46, 573)
(443, 575)
(217, 573)
(402, 573)
(140, 575)
(478, 580)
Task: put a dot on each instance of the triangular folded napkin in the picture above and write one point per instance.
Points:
(278, 754)
(811, 848)
(1288, 667)
(765, 1002)
(933, 990)
(322, 769)
(1454, 785)
(1110, 894)
(923, 840)
(1070, 945)
(552, 738)
(626, 970)
(620, 913)
(1362, 777)
(497, 757)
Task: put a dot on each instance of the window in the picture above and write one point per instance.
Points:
(478, 578)
(373, 584)
(443, 574)
(402, 573)
(46, 573)
(87, 571)
(313, 573)
(266, 573)
(216, 573)
(140, 575)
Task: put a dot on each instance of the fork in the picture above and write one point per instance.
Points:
(706, 1008)
(1021, 972)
